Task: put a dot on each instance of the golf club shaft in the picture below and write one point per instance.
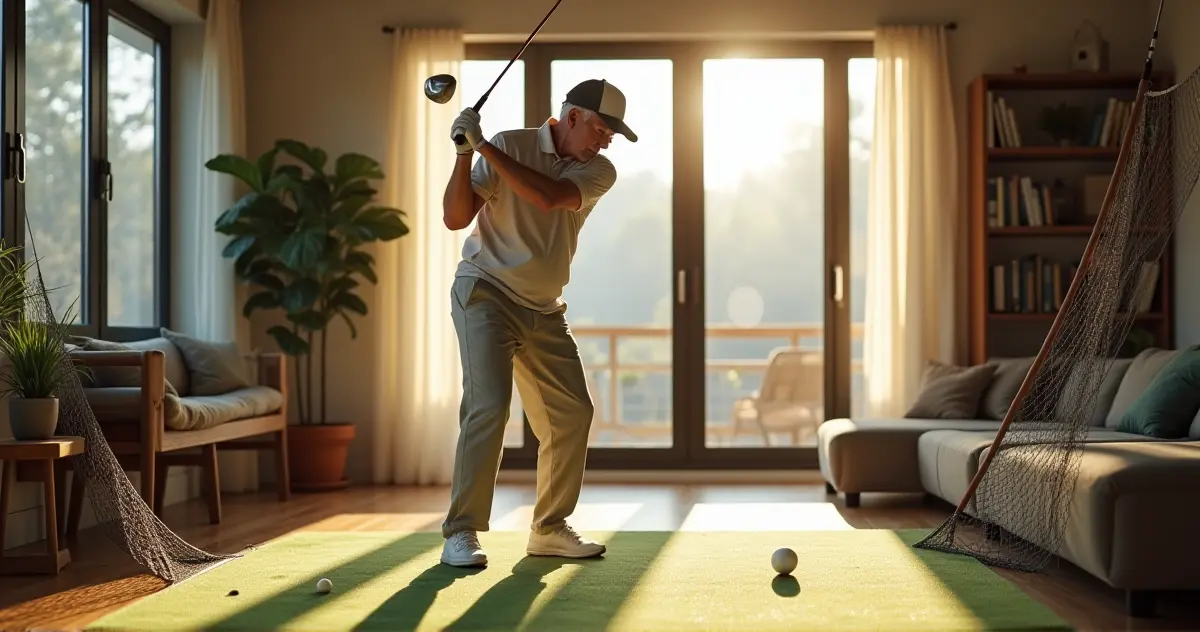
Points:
(483, 99)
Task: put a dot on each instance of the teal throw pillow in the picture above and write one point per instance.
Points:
(1166, 408)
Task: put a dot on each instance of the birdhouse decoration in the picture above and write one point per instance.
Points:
(1089, 51)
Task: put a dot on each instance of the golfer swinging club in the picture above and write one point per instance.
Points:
(532, 189)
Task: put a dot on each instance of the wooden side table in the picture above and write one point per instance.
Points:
(44, 455)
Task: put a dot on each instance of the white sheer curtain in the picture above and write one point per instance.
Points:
(215, 305)
(420, 377)
(912, 217)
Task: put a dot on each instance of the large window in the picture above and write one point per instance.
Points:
(86, 187)
(716, 292)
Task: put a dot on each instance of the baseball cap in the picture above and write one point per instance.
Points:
(603, 98)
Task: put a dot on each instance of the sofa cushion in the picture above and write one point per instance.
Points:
(187, 413)
(108, 377)
(216, 367)
(1142, 371)
(1169, 404)
(1131, 523)
(951, 392)
(1010, 373)
(879, 455)
(950, 458)
(1106, 391)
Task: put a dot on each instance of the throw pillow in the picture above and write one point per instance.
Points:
(113, 376)
(1010, 373)
(1166, 408)
(951, 392)
(216, 367)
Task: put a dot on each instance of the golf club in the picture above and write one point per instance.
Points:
(439, 88)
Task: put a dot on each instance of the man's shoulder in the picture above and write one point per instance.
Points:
(516, 137)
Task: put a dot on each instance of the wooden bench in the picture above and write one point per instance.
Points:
(146, 445)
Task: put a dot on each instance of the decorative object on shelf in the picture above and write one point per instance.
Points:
(302, 240)
(1089, 51)
(1066, 124)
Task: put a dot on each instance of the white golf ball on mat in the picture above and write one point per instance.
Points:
(784, 561)
(324, 586)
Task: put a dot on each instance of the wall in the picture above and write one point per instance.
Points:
(319, 72)
(26, 518)
(1179, 49)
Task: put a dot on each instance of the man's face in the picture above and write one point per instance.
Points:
(586, 137)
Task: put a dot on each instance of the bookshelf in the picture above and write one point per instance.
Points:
(1032, 204)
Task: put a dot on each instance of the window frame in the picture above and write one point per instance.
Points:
(93, 303)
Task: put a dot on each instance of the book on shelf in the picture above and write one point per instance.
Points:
(1107, 123)
(1035, 285)
(1019, 201)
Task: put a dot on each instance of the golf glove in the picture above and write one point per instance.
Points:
(467, 124)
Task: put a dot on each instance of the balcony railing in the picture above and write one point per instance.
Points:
(629, 372)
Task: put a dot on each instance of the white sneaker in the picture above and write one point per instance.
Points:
(563, 542)
(463, 549)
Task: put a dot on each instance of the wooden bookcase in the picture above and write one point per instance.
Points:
(1053, 224)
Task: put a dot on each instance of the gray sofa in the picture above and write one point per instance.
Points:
(1135, 504)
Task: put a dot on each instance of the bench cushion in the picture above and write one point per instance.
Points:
(178, 382)
(188, 413)
(880, 455)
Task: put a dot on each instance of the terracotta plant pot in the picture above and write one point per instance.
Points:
(317, 456)
(33, 419)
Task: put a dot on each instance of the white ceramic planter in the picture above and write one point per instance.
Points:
(33, 419)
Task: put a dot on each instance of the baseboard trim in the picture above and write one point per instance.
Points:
(699, 477)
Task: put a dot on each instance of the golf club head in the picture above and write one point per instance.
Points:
(440, 88)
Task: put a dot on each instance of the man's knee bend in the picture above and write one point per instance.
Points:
(487, 412)
(581, 414)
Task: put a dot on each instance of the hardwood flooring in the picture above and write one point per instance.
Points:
(101, 578)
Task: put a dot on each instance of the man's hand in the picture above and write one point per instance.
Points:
(467, 124)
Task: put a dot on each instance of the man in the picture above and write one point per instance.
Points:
(530, 192)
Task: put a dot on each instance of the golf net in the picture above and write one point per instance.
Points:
(117, 506)
(1018, 513)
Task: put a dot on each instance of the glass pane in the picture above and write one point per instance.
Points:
(619, 300)
(764, 227)
(505, 109)
(862, 133)
(132, 141)
(55, 146)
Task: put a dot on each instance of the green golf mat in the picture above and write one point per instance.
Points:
(648, 580)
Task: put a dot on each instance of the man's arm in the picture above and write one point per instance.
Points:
(460, 202)
(537, 188)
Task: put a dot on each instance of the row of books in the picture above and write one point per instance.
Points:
(1107, 129)
(1036, 285)
(1019, 201)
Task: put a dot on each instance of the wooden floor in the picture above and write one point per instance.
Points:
(101, 578)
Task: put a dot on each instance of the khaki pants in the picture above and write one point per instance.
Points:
(498, 341)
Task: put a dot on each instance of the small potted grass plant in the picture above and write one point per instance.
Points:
(36, 354)
(38, 365)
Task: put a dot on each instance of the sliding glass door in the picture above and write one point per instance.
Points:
(712, 290)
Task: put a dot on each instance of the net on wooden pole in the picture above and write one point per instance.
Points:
(1016, 512)
(118, 507)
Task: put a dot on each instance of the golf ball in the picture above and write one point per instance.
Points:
(784, 561)
(324, 586)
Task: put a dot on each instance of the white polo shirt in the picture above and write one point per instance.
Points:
(522, 250)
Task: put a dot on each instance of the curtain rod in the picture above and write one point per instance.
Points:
(949, 26)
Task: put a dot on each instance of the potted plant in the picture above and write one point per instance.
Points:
(38, 364)
(298, 237)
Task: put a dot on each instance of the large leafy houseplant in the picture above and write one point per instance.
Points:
(297, 236)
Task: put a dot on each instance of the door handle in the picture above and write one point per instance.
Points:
(681, 287)
(839, 282)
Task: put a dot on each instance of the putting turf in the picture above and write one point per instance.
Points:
(649, 580)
